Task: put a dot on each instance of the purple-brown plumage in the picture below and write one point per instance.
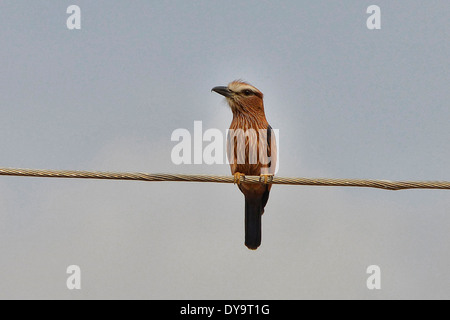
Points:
(251, 150)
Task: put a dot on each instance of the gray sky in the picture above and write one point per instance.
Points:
(349, 102)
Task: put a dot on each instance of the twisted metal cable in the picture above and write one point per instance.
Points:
(380, 184)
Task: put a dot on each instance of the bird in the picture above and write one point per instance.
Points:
(251, 150)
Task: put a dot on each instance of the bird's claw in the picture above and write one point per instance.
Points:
(266, 178)
(237, 178)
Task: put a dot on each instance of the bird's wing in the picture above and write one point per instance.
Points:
(270, 163)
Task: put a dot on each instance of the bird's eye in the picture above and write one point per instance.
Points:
(247, 92)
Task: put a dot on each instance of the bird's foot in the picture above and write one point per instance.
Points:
(237, 178)
(266, 178)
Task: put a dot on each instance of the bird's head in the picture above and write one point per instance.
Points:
(242, 97)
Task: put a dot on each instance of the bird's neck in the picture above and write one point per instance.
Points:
(249, 119)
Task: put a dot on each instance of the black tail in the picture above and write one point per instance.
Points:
(253, 214)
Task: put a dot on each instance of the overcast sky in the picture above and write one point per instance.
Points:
(349, 103)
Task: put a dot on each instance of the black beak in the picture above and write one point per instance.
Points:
(223, 91)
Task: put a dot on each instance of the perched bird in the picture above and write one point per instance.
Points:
(251, 150)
